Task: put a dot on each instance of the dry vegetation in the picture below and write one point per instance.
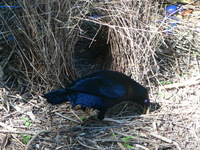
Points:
(46, 44)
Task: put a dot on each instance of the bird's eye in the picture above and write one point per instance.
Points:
(146, 101)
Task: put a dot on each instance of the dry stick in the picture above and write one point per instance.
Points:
(112, 120)
(18, 140)
(108, 140)
(76, 115)
(35, 136)
(68, 118)
(16, 132)
(3, 118)
(90, 147)
(142, 147)
(192, 81)
(4, 141)
(7, 127)
(165, 140)
(135, 138)
(120, 141)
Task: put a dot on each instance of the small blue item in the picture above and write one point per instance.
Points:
(10, 6)
(10, 38)
(172, 9)
(96, 16)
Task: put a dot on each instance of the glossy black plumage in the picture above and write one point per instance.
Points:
(100, 90)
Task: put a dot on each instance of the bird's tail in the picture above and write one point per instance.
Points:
(57, 96)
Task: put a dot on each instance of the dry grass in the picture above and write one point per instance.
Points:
(44, 54)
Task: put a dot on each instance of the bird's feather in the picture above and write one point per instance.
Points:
(99, 86)
(100, 90)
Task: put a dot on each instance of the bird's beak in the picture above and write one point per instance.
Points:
(147, 109)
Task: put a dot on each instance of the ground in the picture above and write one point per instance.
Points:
(174, 123)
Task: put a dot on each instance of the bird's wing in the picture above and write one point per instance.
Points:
(100, 86)
(87, 100)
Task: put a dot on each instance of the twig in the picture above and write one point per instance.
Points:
(16, 132)
(68, 118)
(112, 120)
(35, 136)
(14, 136)
(141, 147)
(90, 147)
(192, 81)
(76, 116)
(7, 127)
(120, 141)
(3, 118)
(127, 118)
(165, 140)
(108, 140)
(135, 138)
(4, 141)
(161, 138)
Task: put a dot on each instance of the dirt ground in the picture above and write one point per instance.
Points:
(174, 123)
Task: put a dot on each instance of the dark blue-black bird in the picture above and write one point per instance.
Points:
(101, 90)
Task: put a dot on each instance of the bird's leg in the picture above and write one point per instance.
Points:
(101, 114)
(147, 109)
(86, 110)
(76, 107)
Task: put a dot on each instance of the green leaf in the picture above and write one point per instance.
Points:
(25, 138)
(25, 119)
(22, 135)
(28, 136)
(82, 118)
(129, 146)
(28, 124)
(127, 138)
(161, 94)
(169, 82)
(162, 82)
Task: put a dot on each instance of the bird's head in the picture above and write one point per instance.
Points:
(147, 106)
(143, 99)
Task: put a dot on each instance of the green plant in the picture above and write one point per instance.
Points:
(83, 118)
(169, 82)
(184, 75)
(127, 141)
(27, 122)
(161, 94)
(165, 82)
(25, 138)
(162, 82)
(114, 135)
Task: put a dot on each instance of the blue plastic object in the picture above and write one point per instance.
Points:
(10, 6)
(172, 9)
